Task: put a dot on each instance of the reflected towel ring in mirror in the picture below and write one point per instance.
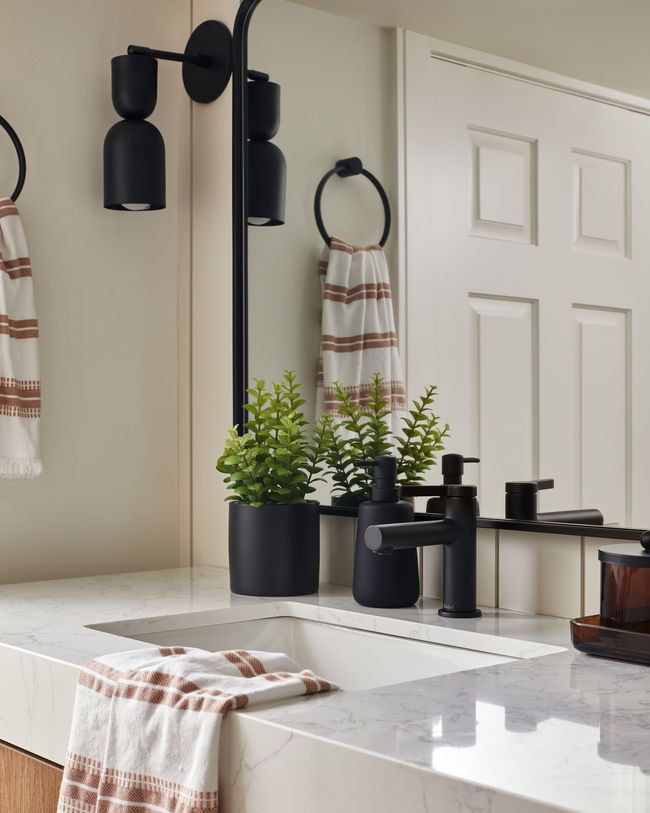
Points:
(22, 161)
(346, 168)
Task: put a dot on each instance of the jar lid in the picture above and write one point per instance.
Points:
(627, 553)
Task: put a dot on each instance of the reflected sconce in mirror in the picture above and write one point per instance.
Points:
(267, 167)
(134, 149)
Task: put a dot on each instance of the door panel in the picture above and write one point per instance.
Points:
(528, 261)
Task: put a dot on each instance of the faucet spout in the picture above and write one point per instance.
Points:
(384, 539)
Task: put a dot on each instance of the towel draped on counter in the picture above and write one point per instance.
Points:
(146, 724)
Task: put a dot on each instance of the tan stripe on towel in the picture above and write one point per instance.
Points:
(83, 776)
(236, 659)
(20, 389)
(111, 805)
(157, 783)
(389, 334)
(6, 210)
(393, 392)
(343, 289)
(371, 290)
(310, 682)
(23, 333)
(171, 697)
(367, 344)
(78, 795)
(340, 245)
(167, 800)
(256, 664)
(16, 262)
(17, 324)
(209, 700)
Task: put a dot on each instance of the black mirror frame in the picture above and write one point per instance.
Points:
(239, 211)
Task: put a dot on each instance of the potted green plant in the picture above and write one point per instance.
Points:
(274, 529)
(363, 433)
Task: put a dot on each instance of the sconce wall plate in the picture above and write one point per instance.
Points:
(205, 83)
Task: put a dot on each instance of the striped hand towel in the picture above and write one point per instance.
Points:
(20, 388)
(145, 728)
(358, 334)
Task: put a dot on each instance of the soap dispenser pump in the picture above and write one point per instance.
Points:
(384, 580)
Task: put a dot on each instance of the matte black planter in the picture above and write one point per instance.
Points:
(274, 550)
(349, 499)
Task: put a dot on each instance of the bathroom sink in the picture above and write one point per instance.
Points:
(331, 642)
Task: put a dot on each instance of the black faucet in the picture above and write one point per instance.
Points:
(456, 532)
(521, 503)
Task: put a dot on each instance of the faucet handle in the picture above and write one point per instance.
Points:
(529, 486)
(449, 490)
(521, 497)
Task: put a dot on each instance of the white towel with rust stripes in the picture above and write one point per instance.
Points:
(358, 334)
(20, 387)
(146, 723)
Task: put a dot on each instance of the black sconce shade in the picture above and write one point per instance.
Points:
(263, 110)
(267, 181)
(134, 167)
(134, 150)
(267, 167)
(134, 85)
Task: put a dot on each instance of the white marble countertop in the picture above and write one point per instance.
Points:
(560, 731)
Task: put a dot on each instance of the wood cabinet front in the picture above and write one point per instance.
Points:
(27, 784)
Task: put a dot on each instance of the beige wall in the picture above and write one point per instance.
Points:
(211, 309)
(106, 287)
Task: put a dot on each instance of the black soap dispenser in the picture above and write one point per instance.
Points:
(384, 580)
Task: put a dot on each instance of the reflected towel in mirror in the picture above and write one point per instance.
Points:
(358, 333)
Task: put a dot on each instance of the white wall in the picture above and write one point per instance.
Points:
(337, 79)
(106, 287)
(594, 40)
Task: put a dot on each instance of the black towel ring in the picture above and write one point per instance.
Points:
(346, 168)
(22, 161)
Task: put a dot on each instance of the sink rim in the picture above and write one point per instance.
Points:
(434, 633)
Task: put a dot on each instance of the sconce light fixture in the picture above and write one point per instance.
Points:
(267, 167)
(134, 149)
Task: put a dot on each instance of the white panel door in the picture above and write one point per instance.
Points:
(527, 296)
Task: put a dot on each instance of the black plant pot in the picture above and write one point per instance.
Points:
(349, 499)
(274, 550)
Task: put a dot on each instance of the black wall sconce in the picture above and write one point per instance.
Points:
(134, 150)
(267, 167)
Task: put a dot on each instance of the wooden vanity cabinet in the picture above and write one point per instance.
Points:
(27, 784)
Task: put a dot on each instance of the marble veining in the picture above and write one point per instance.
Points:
(560, 731)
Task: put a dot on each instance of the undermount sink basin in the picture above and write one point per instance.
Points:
(354, 658)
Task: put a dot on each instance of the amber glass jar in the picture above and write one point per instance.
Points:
(624, 583)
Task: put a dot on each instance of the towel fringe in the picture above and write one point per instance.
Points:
(20, 468)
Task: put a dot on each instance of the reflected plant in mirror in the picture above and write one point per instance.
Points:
(358, 432)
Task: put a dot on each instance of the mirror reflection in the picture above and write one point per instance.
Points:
(516, 263)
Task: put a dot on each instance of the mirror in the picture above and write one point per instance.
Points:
(513, 150)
